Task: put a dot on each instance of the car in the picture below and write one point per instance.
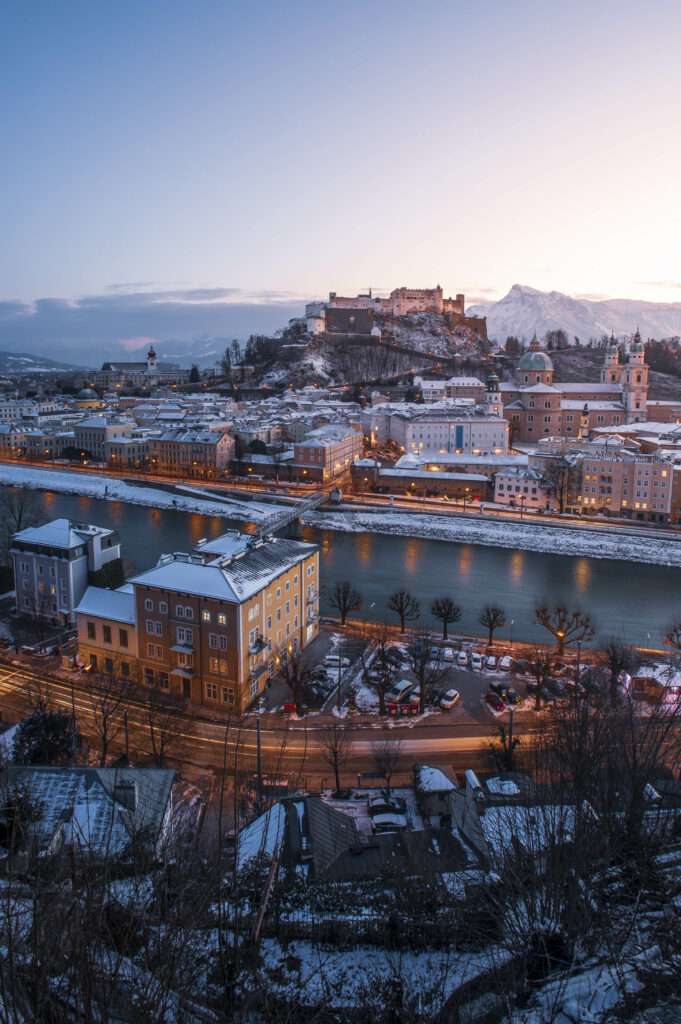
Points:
(506, 663)
(400, 691)
(476, 660)
(560, 669)
(434, 653)
(416, 650)
(449, 699)
(334, 660)
(320, 673)
(383, 804)
(396, 654)
(495, 702)
(389, 823)
(510, 697)
(462, 659)
(491, 662)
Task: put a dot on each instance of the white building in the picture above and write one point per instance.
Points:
(51, 565)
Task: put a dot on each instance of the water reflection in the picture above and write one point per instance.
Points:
(115, 509)
(465, 560)
(49, 499)
(195, 527)
(363, 547)
(412, 554)
(582, 573)
(517, 566)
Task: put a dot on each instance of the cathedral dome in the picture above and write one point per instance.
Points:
(535, 360)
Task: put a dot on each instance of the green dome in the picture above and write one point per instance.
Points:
(535, 361)
(87, 395)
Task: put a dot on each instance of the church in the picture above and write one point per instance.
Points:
(537, 407)
(136, 375)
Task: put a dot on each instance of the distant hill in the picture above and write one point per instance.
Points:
(525, 310)
(12, 362)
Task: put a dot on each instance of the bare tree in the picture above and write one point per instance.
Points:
(19, 509)
(166, 721)
(108, 695)
(446, 611)
(297, 674)
(492, 617)
(378, 671)
(617, 658)
(540, 667)
(672, 636)
(559, 473)
(334, 743)
(345, 599)
(386, 755)
(428, 672)
(567, 625)
(405, 607)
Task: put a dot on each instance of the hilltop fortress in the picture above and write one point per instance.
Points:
(355, 314)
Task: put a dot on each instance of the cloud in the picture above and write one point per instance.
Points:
(592, 296)
(92, 328)
(660, 284)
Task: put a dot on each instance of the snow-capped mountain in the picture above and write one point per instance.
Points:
(525, 310)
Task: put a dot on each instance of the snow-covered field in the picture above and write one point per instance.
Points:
(552, 540)
(110, 488)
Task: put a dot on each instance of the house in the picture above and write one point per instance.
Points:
(96, 813)
(212, 625)
(51, 565)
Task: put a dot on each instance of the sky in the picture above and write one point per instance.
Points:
(226, 161)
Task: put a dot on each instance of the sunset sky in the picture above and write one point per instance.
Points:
(273, 151)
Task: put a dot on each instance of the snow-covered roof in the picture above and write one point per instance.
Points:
(432, 780)
(118, 605)
(60, 533)
(261, 837)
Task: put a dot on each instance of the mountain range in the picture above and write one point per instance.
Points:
(526, 310)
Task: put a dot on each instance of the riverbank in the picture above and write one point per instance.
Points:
(113, 489)
(511, 535)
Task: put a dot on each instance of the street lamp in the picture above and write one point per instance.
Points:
(261, 703)
(512, 621)
(561, 638)
(465, 495)
(522, 505)
(579, 659)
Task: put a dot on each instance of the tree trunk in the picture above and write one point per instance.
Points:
(335, 768)
(444, 629)
(491, 636)
(561, 645)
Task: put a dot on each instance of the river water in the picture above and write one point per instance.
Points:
(627, 599)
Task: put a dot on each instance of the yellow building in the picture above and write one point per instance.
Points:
(212, 625)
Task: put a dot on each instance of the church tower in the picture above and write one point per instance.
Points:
(151, 360)
(635, 382)
(493, 395)
(584, 424)
(611, 371)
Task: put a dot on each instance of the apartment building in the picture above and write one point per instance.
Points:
(51, 565)
(191, 453)
(91, 434)
(127, 452)
(212, 625)
(522, 487)
(631, 486)
(327, 452)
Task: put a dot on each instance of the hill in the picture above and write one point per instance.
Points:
(14, 363)
(585, 364)
(526, 310)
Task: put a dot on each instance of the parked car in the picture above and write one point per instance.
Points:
(560, 669)
(476, 660)
(510, 697)
(383, 804)
(506, 663)
(333, 661)
(495, 702)
(389, 823)
(491, 662)
(434, 653)
(400, 690)
(462, 659)
(320, 673)
(448, 654)
(449, 699)
(396, 654)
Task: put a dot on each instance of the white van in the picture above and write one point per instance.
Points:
(334, 660)
(448, 654)
(400, 690)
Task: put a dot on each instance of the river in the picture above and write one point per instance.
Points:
(628, 599)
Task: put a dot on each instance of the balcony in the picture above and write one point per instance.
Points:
(311, 598)
(258, 645)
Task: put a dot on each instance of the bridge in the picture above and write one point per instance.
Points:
(292, 513)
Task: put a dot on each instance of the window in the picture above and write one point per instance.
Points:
(188, 612)
(149, 676)
(150, 626)
(295, 600)
(163, 607)
(108, 666)
(295, 579)
(288, 585)
(278, 593)
(269, 621)
(159, 629)
(40, 570)
(252, 637)
(53, 571)
(150, 650)
(63, 584)
(107, 634)
(205, 616)
(163, 681)
(310, 570)
(278, 614)
(222, 619)
(179, 611)
(253, 612)
(24, 566)
(185, 636)
(295, 622)
(159, 652)
(288, 629)
(211, 691)
(125, 670)
(288, 607)
(185, 660)
(254, 687)
(148, 605)
(213, 640)
(91, 631)
(227, 695)
(214, 665)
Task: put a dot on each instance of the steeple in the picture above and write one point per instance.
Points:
(534, 344)
(584, 424)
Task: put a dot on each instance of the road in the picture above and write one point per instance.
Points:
(287, 747)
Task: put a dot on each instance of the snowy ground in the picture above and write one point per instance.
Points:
(553, 540)
(92, 486)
